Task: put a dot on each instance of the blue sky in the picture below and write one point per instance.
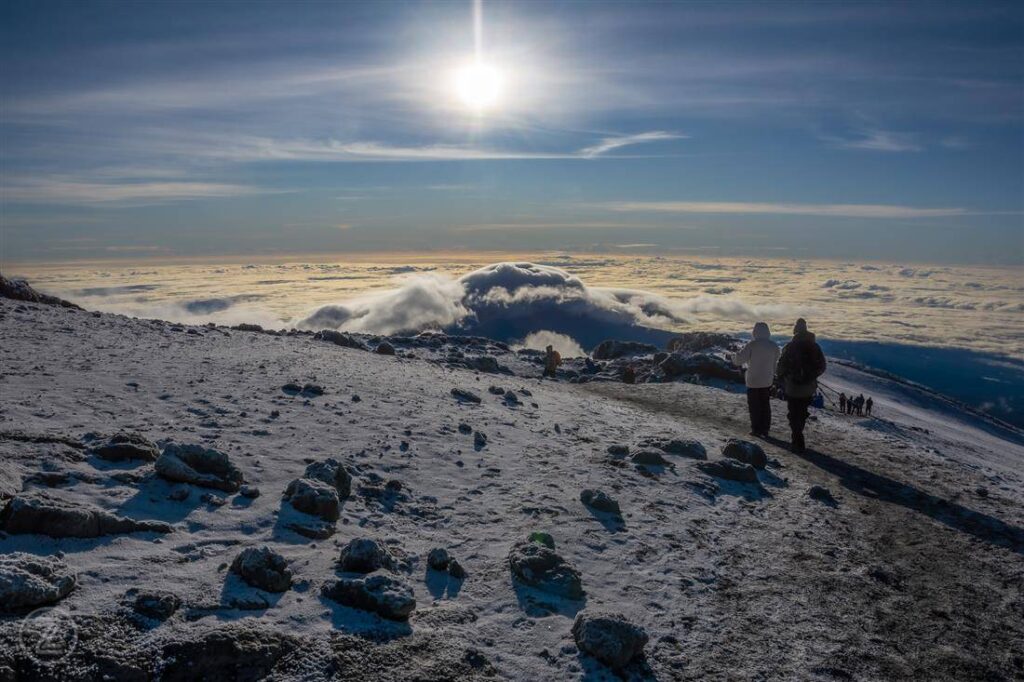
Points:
(873, 130)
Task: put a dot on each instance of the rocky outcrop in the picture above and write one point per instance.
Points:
(19, 290)
(264, 568)
(696, 342)
(612, 349)
(536, 564)
(28, 581)
(701, 365)
(609, 638)
(127, 446)
(386, 595)
(464, 396)
(45, 514)
(243, 651)
(158, 605)
(199, 466)
(339, 339)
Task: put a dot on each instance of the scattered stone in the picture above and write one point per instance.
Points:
(249, 491)
(45, 514)
(543, 538)
(384, 348)
(438, 559)
(126, 446)
(479, 440)
(539, 566)
(264, 568)
(650, 458)
(599, 500)
(314, 497)
(292, 387)
(730, 470)
(464, 396)
(511, 398)
(822, 494)
(29, 580)
(157, 605)
(365, 555)
(313, 529)
(608, 637)
(485, 363)
(611, 349)
(356, 398)
(213, 500)
(496, 390)
(332, 472)
(465, 428)
(383, 594)
(746, 452)
(199, 466)
(618, 450)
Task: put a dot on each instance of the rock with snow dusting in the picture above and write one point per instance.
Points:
(332, 472)
(730, 470)
(384, 348)
(599, 500)
(684, 447)
(157, 605)
(746, 452)
(608, 637)
(28, 581)
(539, 566)
(313, 497)
(47, 514)
(464, 396)
(19, 290)
(649, 458)
(438, 559)
(365, 555)
(386, 595)
(264, 568)
(127, 446)
(200, 466)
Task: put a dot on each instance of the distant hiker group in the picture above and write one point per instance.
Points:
(858, 406)
(793, 373)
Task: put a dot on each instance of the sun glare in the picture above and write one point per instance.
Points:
(478, 86)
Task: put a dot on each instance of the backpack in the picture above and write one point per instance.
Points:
(803, 366)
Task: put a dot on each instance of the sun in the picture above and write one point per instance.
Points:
(479, 85)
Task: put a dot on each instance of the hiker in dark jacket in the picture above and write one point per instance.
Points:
(800, 365)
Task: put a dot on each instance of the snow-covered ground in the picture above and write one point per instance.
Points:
(915, 573)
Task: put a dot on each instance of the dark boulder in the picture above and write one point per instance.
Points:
(264, 568)
(365, 555)
(126, 446)
(609, 638)
(539, 566)
(381, 593)
(730, 470)
(314, 497)
(332, 472)
(746, 452)
(199, 466)
(599, 500)
(339, 339)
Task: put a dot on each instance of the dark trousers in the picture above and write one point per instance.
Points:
(797, 418)
(760, 406)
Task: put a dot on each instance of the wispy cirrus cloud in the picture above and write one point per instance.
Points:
(73, 191)
(876, 139)
(758, 208)
(616, 142)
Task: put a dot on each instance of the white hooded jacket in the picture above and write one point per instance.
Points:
(760, 356)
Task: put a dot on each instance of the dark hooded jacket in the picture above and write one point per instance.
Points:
(800, 365)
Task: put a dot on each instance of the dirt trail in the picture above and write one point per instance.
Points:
(899, 581)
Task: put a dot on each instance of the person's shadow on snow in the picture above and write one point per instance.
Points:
(876, 486)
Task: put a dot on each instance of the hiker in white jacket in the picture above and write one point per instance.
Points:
(760, 356)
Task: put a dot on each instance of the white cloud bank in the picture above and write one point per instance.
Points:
(758, 208)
